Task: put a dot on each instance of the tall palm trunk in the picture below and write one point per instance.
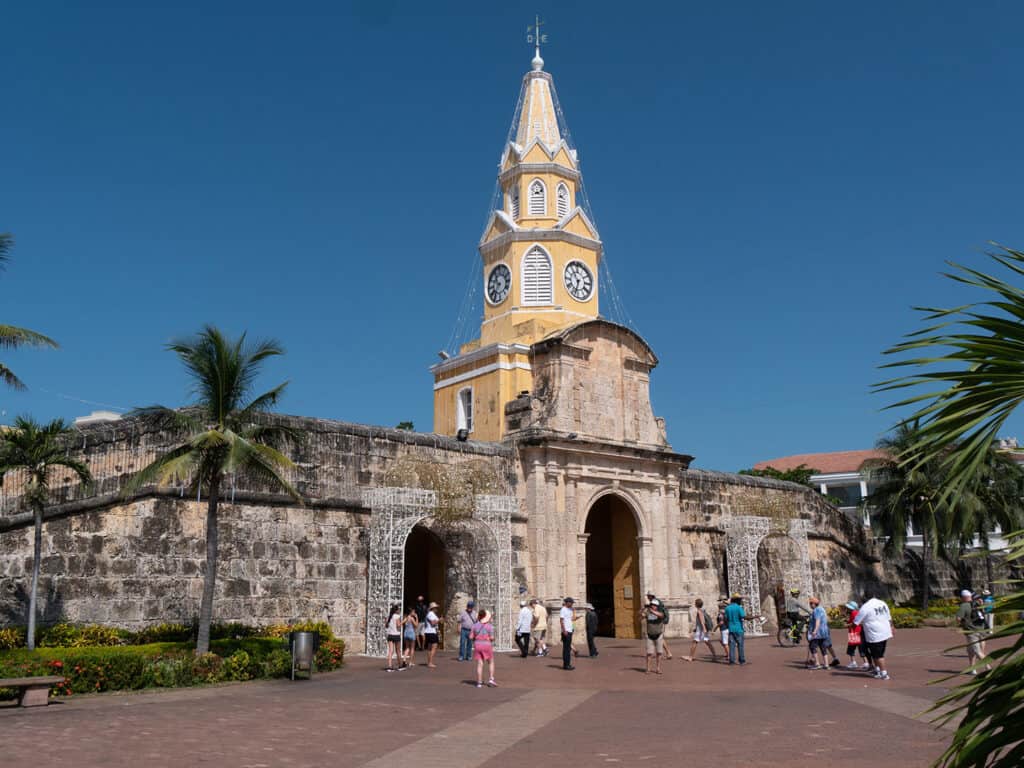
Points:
(925, 585)
(210, 580)
(36, 555)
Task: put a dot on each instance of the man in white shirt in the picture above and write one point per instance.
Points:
(565, 620)
(524, 626)
(875, 621)
(430, 633)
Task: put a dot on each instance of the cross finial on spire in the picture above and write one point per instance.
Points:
(533, 35)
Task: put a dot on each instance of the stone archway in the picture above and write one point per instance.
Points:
(744, 535)
(612, 566)
(395, 512)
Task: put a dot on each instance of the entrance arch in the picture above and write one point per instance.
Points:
(613, 567)
(426, 567)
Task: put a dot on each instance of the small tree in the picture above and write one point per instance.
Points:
(12, 337)
(37, 450)
(224, 436)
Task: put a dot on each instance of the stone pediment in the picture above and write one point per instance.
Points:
(593, 380)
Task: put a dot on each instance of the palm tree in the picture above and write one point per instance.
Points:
(906, 495)
(12, 337)
(37, 449)
(225, 436)
(970, 362)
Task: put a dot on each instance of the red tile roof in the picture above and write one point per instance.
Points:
(824, 463)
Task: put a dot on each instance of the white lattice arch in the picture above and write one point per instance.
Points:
(395, 512)
(744, 535)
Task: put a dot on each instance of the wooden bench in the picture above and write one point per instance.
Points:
(32, 691)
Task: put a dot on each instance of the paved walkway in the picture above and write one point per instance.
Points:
(606, 712)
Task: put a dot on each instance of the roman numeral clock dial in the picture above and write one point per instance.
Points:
(578, 280)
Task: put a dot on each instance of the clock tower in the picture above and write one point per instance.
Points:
(540, 255)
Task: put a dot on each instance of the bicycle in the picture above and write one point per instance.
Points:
(791, 631)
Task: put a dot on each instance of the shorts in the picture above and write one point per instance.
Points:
(853, 649)
(652, 645)
(483, 651)
(421, 629)
(877, 650)
(819, 644)
(538, 635)
(394, 638)
(700, 636)
(725, 637)
(431, 638)
(974, 645)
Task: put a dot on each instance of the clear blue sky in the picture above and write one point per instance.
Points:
(776, 184)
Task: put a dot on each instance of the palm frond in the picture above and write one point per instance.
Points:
(12, 337)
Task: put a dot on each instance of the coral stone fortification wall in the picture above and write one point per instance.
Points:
(842, 560)
(141, 561)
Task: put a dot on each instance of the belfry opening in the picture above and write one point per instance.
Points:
(613, 567)
(426, 565)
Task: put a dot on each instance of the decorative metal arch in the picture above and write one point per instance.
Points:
(395, 512)
(744, 535)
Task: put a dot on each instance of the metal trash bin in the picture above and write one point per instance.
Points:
(303, 646)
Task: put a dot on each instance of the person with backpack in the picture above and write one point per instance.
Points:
(665, 650)
(653, 616)
(723, 625)
(701, 631)
(971, 620)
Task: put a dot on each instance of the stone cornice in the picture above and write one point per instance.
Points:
(477, 355)
(559, 441)
(532, 168)
(540, 235)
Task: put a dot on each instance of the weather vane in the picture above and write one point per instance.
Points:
(533, 34)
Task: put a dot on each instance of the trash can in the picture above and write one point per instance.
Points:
(303, 646)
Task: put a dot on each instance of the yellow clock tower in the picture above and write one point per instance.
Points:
(540, 257)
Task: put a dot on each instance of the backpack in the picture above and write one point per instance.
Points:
(978, 619)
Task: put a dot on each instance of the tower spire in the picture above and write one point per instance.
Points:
(536, 38)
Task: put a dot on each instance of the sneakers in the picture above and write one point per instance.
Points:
(865, 666)
(816, 666)
(853, 665)
(835, 663)
(491, 683)
(881, 675)
(479, 685)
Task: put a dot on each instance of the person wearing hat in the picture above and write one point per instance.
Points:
(854, 637)
(466, 621)
(723, 624)
(990, 604)
(565, 621)
(539, 628)
(972, 621)
(482, 636)
(430, 633)
(653, 616)
(734, 616)
(524, 626)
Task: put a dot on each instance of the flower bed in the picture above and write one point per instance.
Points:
(90, 669)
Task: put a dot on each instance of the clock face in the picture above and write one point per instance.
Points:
(498, 283)
(578, 280)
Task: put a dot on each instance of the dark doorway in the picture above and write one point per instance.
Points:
(613, 568)
(425, 568)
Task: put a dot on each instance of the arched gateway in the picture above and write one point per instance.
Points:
(395, 513)
(613, 566)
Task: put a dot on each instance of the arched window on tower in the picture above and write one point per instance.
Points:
(538, 198)
(537, 280)
(464, 409)
(562, 200)
(513, 200)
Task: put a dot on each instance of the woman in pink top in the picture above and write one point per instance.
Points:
(482, 636)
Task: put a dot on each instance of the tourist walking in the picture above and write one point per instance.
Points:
(421, 616)
(652, 599)
(723, 625)
(819, 638)
(734, 616)
(410, 626)
(854, 637)
(654, 620)
(990, 604)
(970, 617)
(430, 623)
(466, 621)
(701, 631)
(393, 628)
(524, 627)
(482, 635)
(875, 621)
(591, 631)
(540, 628)
(565, 619)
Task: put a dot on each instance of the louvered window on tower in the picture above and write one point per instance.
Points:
(513, 201)
(538, 198)
(464, 409)
(563, 200)
(537, 279)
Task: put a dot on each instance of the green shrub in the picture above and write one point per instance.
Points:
(330, 655)
(207, 668)
(166, 632)
(238, 666)
(282, 630)
(80, 636)
(233, 630)
(12, 637)
(277, 663)
(907, 618)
